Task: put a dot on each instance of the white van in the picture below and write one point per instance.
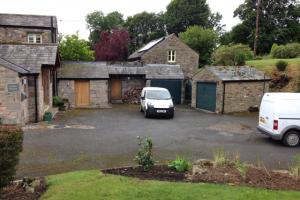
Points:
(279, 117)
(156, 101)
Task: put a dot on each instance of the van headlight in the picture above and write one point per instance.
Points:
(171, 105)
(149, 104)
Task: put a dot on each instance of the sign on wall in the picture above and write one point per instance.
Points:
(12, 87)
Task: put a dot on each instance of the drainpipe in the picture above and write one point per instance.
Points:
(36, 99)
(223, 103)
(52, 30)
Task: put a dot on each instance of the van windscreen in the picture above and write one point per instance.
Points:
(158, 94)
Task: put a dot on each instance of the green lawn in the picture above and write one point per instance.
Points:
(92, 185)
(267, 64)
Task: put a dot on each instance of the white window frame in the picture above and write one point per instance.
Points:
(33, 37)
(171, 56)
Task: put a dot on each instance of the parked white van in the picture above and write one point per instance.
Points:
(279, 117)
(157, 101)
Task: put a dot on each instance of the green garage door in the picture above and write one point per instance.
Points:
(174, 86)
(206, 96)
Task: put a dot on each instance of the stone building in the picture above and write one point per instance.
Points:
(172, 51)
(228, 89)
(97, 84)
(29, 56)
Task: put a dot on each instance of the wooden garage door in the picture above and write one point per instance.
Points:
(206, 96)
(82, 93)
(116, 89)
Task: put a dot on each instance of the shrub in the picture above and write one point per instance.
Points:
(221, 158)
(281, 65)
(295, 168)
(57, 101)
(180, 164)
(144, 155)
(11, 139)
(240, 166)
(291, 50)
(232, 55)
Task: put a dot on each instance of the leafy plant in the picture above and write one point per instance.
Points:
(11, 139)
(295, 168)
(57, 101)
(144, 154)
(291, 50)
(221, 158)
(281, 65)
(180, 164)
(240, 166)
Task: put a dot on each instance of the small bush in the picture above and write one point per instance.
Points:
(295, 168)
(281, 65)
(232, 55)
(11, 139)
(291, 50)
(221, 158)
(180, 164)
(240, 166)
(144, 155)
(57, 101)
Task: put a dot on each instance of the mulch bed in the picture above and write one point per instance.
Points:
(15, 191)
(255, 177)
(158, 172)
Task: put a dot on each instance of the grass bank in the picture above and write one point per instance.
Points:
(93, 185)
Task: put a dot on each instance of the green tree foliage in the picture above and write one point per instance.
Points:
(291, 50)
(11, 139)
(74, 49)
(201, 40)
(279, 23)
(97, 22)
(144, 27)
(181, 14)
(232, 55)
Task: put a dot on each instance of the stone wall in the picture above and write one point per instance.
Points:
(13, 109)
(98, 92)
(19, 35)
(185, 56)
(239, 97)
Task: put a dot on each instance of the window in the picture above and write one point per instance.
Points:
(34, 38)
(172, 56)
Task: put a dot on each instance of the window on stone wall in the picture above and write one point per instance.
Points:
(34, 38)
(172, 56)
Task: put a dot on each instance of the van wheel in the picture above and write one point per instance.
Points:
(141, 109)
(146, 113)
(171, 116)
(292, 139)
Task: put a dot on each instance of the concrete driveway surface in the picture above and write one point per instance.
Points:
(94, 139)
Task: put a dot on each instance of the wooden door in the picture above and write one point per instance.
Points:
(116, 89)
(82, 93)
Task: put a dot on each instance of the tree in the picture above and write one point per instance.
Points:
(144, 27)
(201, 40)
(278, 22)
(74, 49)
(97, 22)
(181, 14)
(112, 45)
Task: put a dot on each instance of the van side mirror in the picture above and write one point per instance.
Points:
(143, 98)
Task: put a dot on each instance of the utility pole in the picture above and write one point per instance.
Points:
(257, 28)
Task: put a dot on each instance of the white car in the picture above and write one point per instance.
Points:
(156, 101)
(279, 117)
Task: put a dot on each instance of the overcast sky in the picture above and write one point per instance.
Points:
(71, 14)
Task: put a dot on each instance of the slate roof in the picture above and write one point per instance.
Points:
(27, 20)
(140, 52)
(31, 57)
(13, 66)
(102, 70)
(86, 70)
(163, 71)
(234, 73)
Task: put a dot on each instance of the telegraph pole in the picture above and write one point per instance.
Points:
(257, 27)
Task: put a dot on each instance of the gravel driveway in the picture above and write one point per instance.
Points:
(89, 139)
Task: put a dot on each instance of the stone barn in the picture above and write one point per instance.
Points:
(228, 89)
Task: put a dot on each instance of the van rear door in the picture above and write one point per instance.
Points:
(266, 114)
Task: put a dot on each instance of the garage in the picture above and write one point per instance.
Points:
(174, 86)
(228, 89)
(206, 96)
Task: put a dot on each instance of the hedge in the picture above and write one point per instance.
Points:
(291, 50)
(11, 139)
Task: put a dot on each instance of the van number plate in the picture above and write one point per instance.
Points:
(161, 111)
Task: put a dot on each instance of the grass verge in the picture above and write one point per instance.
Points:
(93, 185)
